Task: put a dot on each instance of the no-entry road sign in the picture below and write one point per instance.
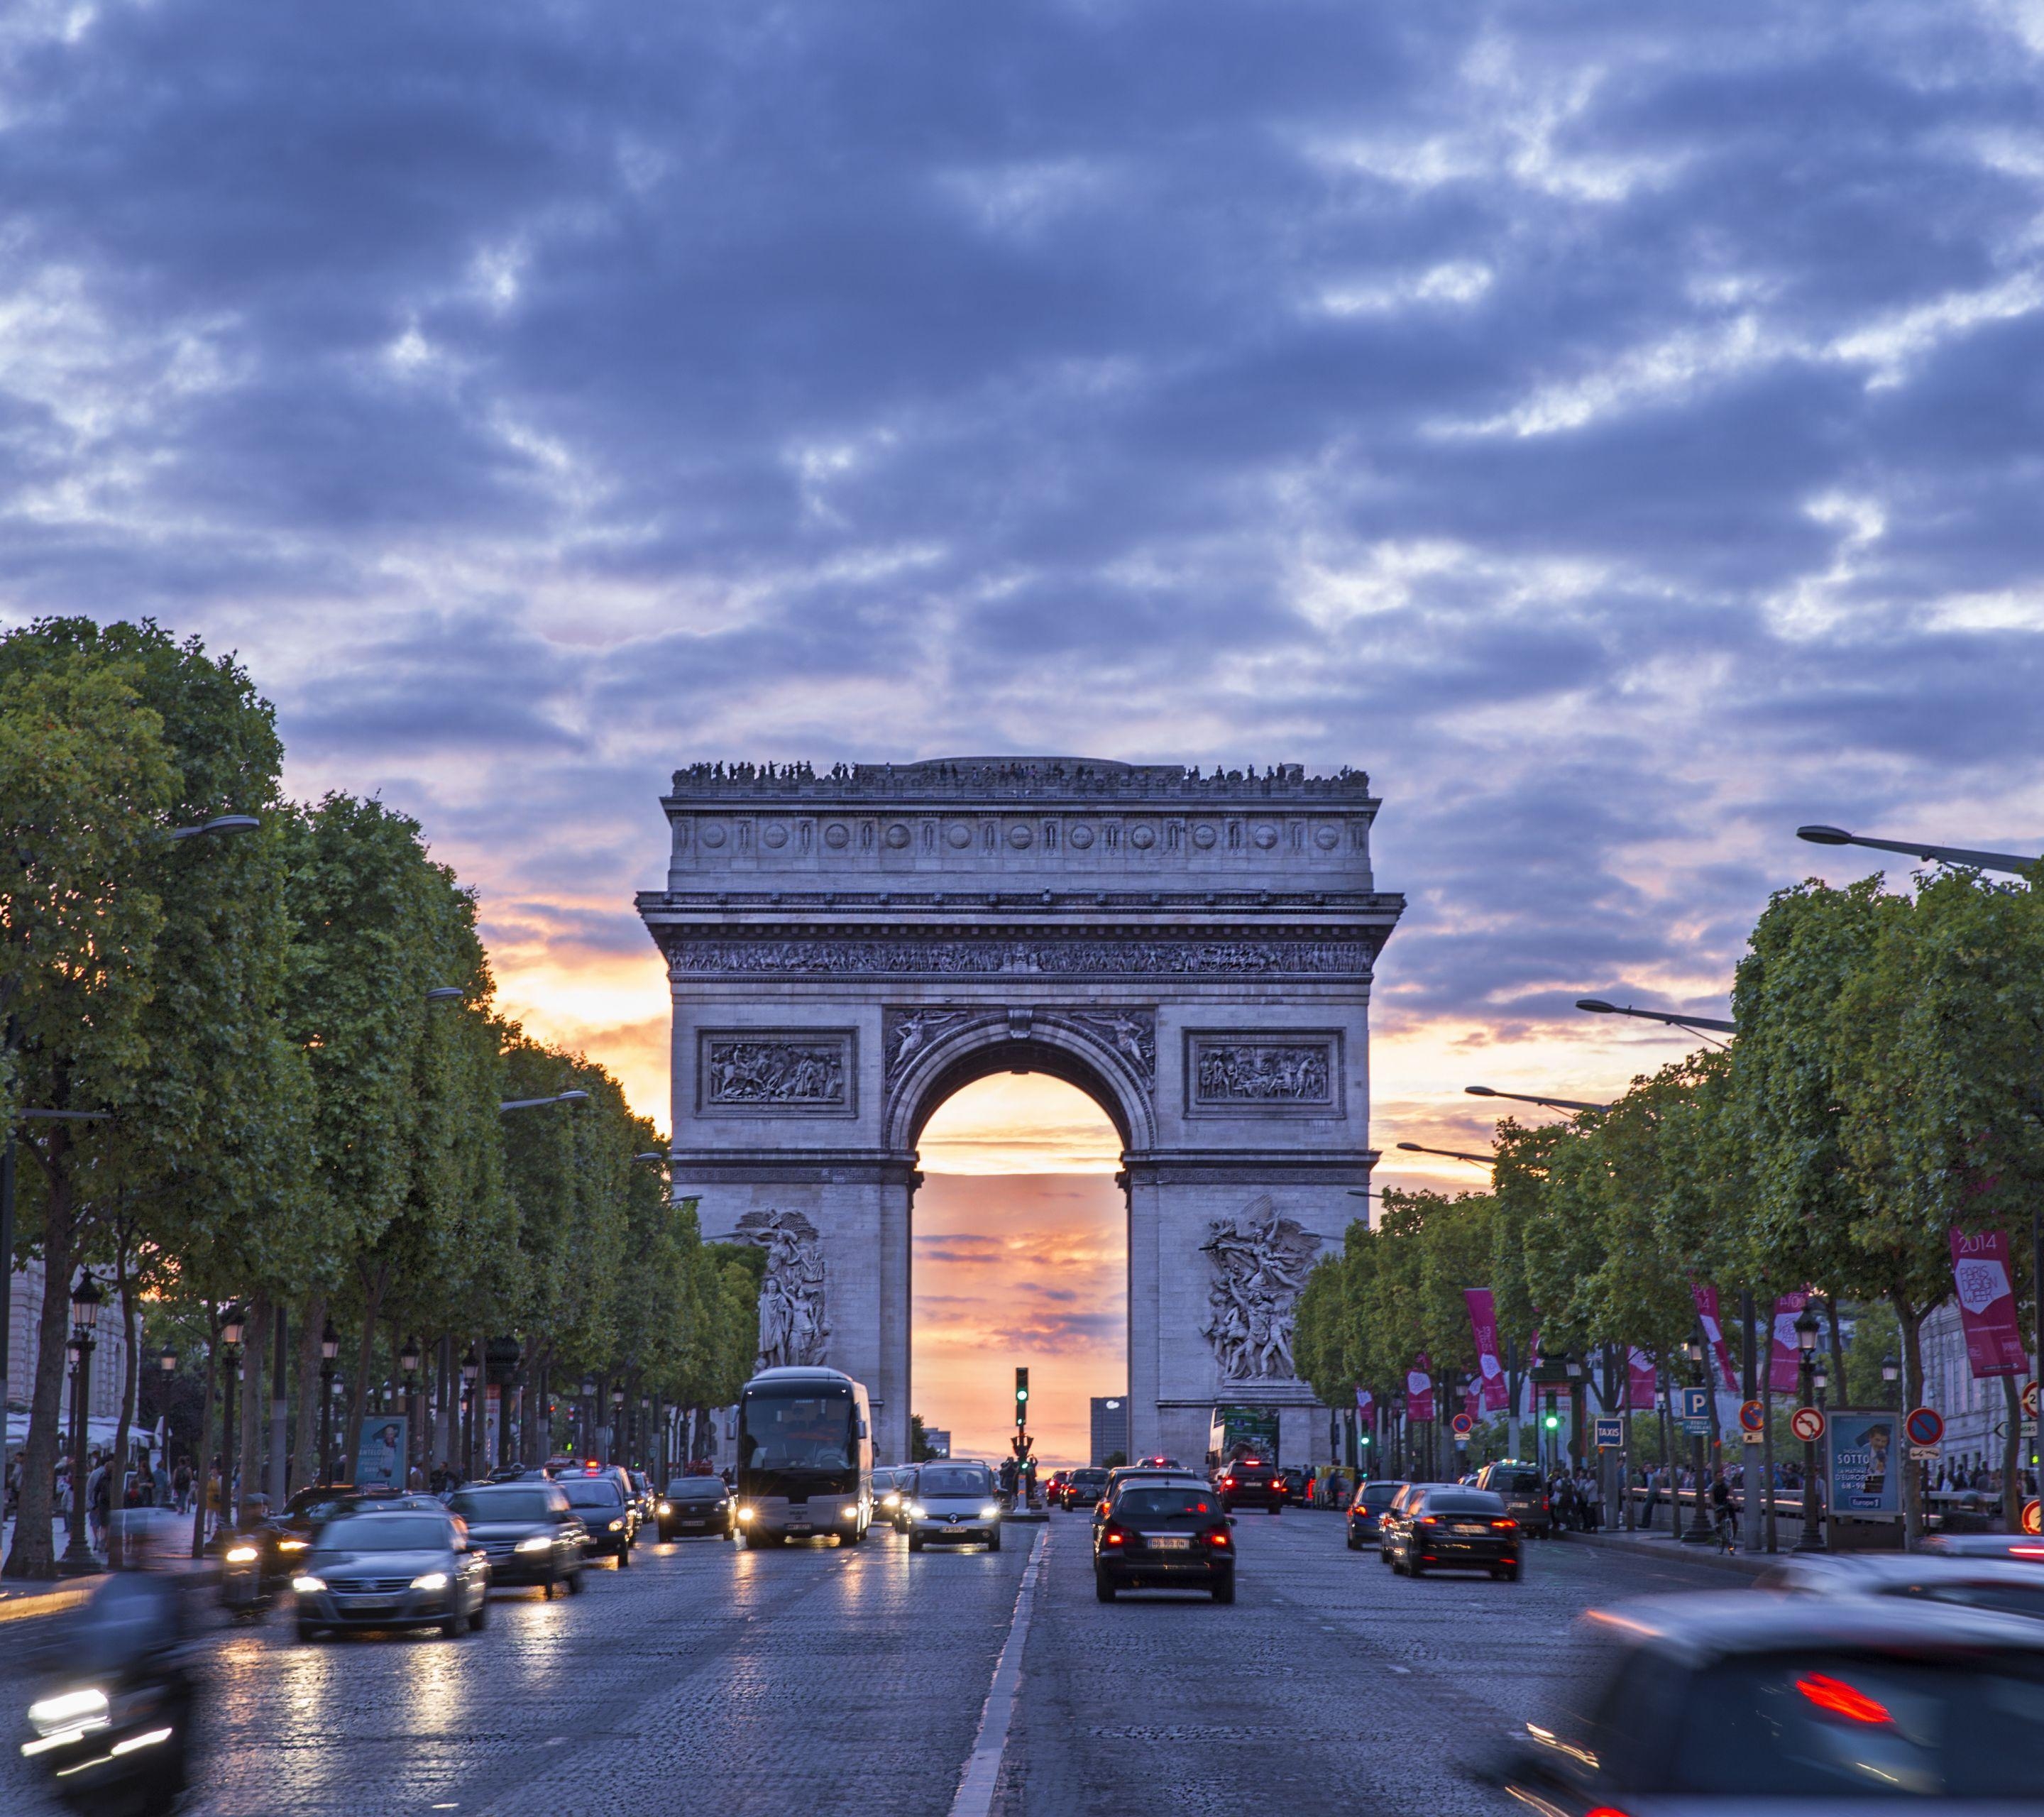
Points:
(1808, 1424)
(1925, 1425)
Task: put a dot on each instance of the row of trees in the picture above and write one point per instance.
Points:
(291, 1108)
(1885, 1085)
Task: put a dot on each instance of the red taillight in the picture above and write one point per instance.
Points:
(1113, 1536)
(1219, 1537)
(1840, 1698)
(1228, 1482)
(1505, 1525)
(1427, 1520)
(1603, 1811)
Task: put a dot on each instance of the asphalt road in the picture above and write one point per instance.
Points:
(709, 1678)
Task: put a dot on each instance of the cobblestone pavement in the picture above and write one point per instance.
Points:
(709, 1678)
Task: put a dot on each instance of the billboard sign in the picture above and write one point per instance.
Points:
(1865, 1461)
(380, 1452)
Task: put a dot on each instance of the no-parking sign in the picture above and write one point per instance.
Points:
(1925, 1425)
(1463, 1425)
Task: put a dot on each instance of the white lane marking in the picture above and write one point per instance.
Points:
(975, 1792)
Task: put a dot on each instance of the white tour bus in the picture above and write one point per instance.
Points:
(805, 1456)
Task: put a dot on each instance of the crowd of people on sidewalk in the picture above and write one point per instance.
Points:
(149, 1480)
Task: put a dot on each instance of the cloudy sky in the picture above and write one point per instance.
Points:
(1614, 427)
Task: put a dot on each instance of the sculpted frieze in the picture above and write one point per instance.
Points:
(994, 957)
(747, 1070)
(1274, 1072)
(1131, 1033)
(1259, 1262)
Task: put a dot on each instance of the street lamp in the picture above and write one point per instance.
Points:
(1451, 1154)
(653, 1155)
(446, 994)
(616, 1423)
(1916, 848)
(85, 1300)
(1597, 1006)
(219, 823)
(329, 1350)
(1522, 1098)
(1890, 1373)
(534, 1104)
(408, 1361)
(1806, 1329)
(166, 1361)
(1698, 1532)
(470, 1365)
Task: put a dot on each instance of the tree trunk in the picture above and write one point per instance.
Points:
(34, 1554)
(1838, 1397)
(254, 1348)
(202, 1464)
(1767, 1443)
(131, 1382)
(2011, 1458)
(1912, 1383)
(374, 1280)
(305, 1433)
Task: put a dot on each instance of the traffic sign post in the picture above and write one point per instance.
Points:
(1925, 1425)
(2033, 1517)
(2030, 1400)
(1463, 1425)
(1752, 1416)
(1808, 1424)
(1695, 1410)
(1610, 1433)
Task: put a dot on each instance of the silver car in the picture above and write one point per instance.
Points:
(954, 1503)
(2001, 1583)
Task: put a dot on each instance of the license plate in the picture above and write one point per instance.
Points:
(798, 1530)
(366, 1605)
(1172, 1545)
(1470, 1527)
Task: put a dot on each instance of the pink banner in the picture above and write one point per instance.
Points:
(1366, 1407)
(1483, 1322)
(1987, 1304)
(1419, 1389)
(1706, 1310)
(1639, 1381)
(1784, 1356)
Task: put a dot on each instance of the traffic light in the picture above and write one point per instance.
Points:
(1021, 1396)
(1553, 1420)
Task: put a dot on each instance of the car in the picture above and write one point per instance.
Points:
(2012, 1585)
(1249, 1482)
(1525, 1492)
(2024, 1545)
(893, 1507)
(954, 1502)
(1163, 1534)
(1722, 1701)
(1370, 1501)
(1084, 1488)
(526, 1529)
(1292, 1484)
(1447, 1527)
(392, 1569)
(1054, 1489)
(643, 1499)
(599, 1503)
(1389, 1516)
(697, 1504)
(1144, 1472)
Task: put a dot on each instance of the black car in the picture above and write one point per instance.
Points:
(1728, 1701)
(1249, 1482)
(392, 1570)
(1160, 1535)
(1370, 1501)
(601, 1506)
(697, 1504)
(1525, 1492)
(1083, 1487)
(527, 1531)
(1447, 1527)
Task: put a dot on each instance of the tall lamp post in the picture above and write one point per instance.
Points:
(1891, 1374)
(329, 1353)
(1807, 1330)
(78, 1560)
(1698, 1532)
(617, 1422)
(471, 1366)
(408, 1361)
(233, 1325)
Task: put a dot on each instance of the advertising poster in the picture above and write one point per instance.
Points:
(1866, 1461)
(1483, 1327)
(1639, 1375)
(1784, 1359)
(1248, 1431)
(1987, 1304)
(1419, 1389)
(379, 1453)
(1706, 1310)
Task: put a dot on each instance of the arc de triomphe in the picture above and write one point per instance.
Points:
(847, 950)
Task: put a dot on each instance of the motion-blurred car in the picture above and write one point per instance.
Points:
(1732, 1701)
(1447, 1527)
(1525, 1494)
(2011, 1585)
(392, 1570)
(954, 1503)
(612, 1523)
(1370, 1501)
(1084, 1488)
(698, 1505)
(1249, 1482)
(2026, 1546)
(527, 1531)
(1160, 1535)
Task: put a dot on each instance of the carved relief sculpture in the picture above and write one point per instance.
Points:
(1259, 1262)
(794, 1325)
(1262, 1073)
(794, 1074)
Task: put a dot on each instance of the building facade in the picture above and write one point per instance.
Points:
(1110, 1428)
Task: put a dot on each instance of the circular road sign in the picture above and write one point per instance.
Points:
(1807, 1423)
(2033, 1517)
(2030, 1399)
(1925, 1425)
(1752, 1415)
(1463, 1425)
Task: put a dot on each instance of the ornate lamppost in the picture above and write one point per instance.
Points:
(1698, 1532)
(408, 1361)
(585, 1417)
(616, 1422)
(1806, 1329)
(471, 1366)
(1891, 1374)
(233, 1322)
(79, 1560)
(329, 1351)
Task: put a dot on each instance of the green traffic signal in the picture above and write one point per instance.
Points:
(1553, 1421)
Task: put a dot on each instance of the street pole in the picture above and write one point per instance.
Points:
(1811, 1540)
(1749, 1490)
(1698, 1532)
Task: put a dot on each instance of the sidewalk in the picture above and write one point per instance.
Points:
(1662, 1546)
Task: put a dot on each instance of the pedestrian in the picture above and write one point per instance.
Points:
(98, 1491)
(160, 1480)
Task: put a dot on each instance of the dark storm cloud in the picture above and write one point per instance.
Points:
(1618, 430)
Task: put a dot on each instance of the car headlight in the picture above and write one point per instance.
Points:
(291, 1546)
(745, 1514)
(538, 1542)
(242, 1555)
(851, 1513)
(430, 1580)
(991, 1511)
(71, 1710)
(891, 1501)
(615, 1525)
(309, 1586)
(663, 1508)
(917, 1511)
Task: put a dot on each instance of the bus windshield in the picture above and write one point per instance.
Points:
(799, 1429)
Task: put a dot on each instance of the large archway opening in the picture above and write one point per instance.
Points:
(1019, 1257)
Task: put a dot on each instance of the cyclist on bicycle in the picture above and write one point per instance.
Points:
(1721, 1510)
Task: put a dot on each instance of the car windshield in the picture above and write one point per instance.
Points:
(1378, 1494)
(1463, 1501)
(694, 1489)
(1515, 1482)
(957, 1480)
(502, 1504)
(1862, 1726)
(593, 1492)
(386, 1533)
(1148, 1503)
